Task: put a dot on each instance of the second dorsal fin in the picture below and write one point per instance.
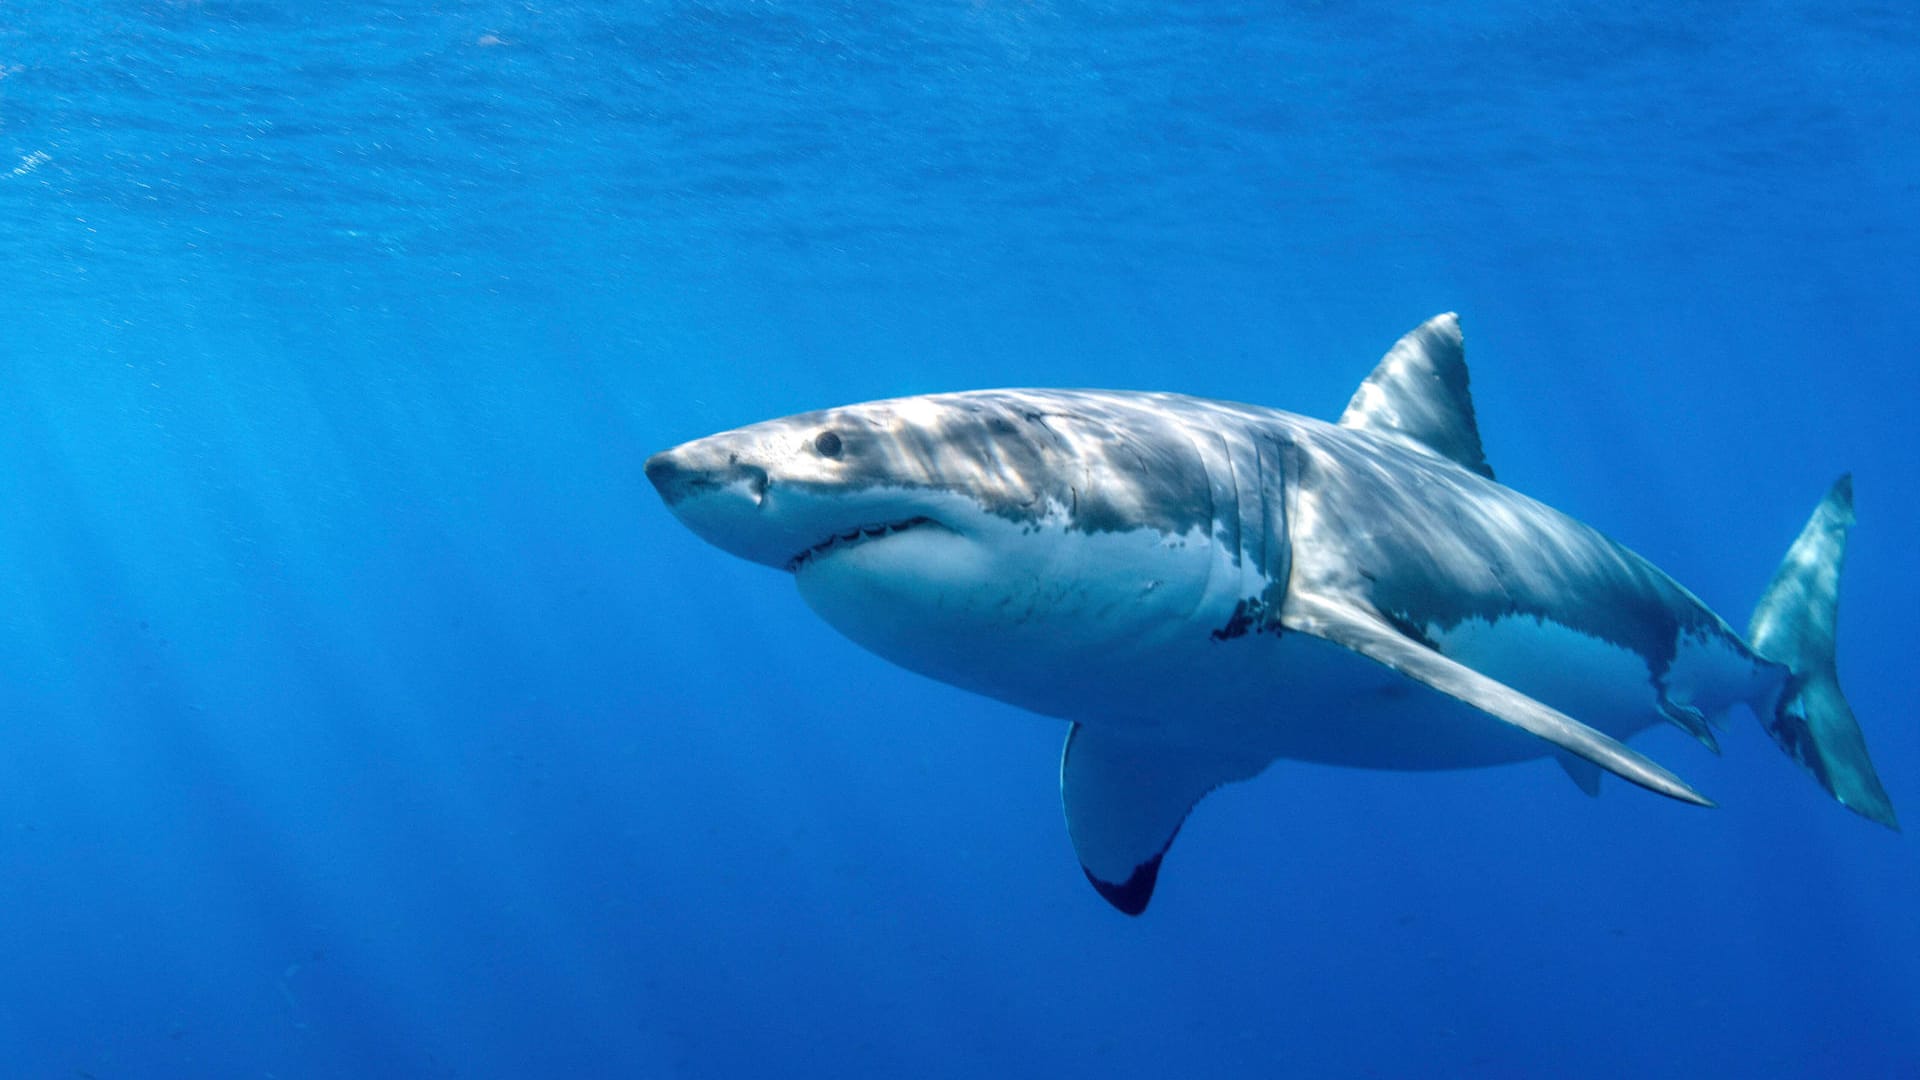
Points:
(1419, 392)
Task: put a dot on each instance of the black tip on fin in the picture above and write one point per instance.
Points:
(1130, 896)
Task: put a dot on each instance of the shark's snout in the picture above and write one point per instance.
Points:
(677, 474)
(664, 473)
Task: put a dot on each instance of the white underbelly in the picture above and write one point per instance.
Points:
(1117, 631)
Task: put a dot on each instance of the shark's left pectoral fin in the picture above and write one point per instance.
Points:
(1126, 800)
(1372, 636)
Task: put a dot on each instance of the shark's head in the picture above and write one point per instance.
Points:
(803, 491)
(955, 531)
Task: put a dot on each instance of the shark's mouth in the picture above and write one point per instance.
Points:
(854, 538)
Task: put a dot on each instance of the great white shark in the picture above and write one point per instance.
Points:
(1202, 588)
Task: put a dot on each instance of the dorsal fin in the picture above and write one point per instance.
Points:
(1419, 392)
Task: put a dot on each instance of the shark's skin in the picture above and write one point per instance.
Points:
(1203, 587)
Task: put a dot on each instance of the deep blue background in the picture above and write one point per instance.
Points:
(363, 714)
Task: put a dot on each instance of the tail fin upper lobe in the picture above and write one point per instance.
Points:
(1794, 625)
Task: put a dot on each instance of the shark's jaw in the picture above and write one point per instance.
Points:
(839, 542)
(791, 525)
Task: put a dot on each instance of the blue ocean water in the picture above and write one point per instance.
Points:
(365, 714)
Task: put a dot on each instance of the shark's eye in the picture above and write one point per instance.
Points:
(827, 444)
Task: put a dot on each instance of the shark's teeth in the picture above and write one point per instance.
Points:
(855, 536)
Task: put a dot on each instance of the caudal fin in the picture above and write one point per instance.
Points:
(1794, 626)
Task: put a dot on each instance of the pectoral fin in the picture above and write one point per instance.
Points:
(1692, 721)
(1584, 774)
(1126, 800)
(1367, 633)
